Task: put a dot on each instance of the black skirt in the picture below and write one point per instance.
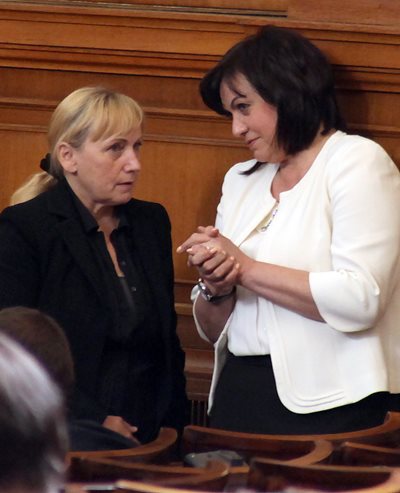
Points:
(246, 400)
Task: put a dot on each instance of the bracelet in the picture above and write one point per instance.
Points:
(208, 296)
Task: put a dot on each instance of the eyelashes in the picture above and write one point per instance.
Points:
(119, 147)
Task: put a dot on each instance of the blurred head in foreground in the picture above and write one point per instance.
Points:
(33, 439)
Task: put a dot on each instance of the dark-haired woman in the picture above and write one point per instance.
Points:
(299, 286)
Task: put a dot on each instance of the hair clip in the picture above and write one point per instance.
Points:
(45, 163)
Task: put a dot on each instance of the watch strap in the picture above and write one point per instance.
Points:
(208, 296)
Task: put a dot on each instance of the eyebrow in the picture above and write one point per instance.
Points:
(121, 139)
(113, 138)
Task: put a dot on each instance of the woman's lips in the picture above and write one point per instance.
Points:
(251, 142)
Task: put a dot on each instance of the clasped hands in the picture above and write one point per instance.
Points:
(216, 258)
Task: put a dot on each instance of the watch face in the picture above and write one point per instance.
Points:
(208, 296)
(204, 291)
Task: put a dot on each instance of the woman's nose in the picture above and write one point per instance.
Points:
(132, 161)
(238, 127)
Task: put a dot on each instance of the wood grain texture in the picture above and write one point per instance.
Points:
(157, 56)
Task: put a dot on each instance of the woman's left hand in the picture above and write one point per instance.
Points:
(210, 237)
(201, 236)
(216, 258)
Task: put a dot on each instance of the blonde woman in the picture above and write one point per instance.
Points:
(99, 262)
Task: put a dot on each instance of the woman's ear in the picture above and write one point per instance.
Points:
(66, 155)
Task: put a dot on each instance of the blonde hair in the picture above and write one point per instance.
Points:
(36, 184)
(89, 111)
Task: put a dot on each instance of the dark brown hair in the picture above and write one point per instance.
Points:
(41, 336)
(291, 74)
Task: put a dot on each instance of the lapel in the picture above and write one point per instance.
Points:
(60, 204)
(145, 243)
(143, 221)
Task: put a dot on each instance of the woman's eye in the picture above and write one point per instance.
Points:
(242, 107)
(137, 145)
(116, 147)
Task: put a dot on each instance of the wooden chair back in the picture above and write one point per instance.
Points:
(140, 487)
(272, 475)
(389, 486)
(361, 454)
(203, 438)
(248, 445)
(212, 477)
(159, 450)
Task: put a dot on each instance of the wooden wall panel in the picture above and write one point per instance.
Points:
(157, 55)
(17, 146)
(277, 7)
(371, 12)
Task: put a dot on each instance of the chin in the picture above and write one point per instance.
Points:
(269, 154)
(262, 158)
(120, 201)
(125, 200)
(273, 158)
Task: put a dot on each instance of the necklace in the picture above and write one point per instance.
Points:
(271, 216)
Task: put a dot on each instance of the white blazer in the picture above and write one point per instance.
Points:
(341, 223)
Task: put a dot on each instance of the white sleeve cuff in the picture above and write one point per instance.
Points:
(345, 300)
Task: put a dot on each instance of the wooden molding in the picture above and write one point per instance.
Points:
(184, 122)
(384, 12)
(270, 7)
(163, 43)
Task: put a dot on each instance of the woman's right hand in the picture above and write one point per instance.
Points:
(119, 425)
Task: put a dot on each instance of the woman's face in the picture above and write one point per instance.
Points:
(103, 173)
(253, 119)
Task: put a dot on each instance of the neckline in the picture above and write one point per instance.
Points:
(266, 222)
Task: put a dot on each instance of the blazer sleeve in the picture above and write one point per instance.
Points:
(177, 414)
(20, 284)
(364, 186)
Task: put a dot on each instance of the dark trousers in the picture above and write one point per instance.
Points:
(246, 400)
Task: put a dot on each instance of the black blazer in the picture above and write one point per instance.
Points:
(46, 263)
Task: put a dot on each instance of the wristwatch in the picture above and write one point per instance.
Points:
(208, 296)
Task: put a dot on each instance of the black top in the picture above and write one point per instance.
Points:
(132, 359)
(48, 262)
